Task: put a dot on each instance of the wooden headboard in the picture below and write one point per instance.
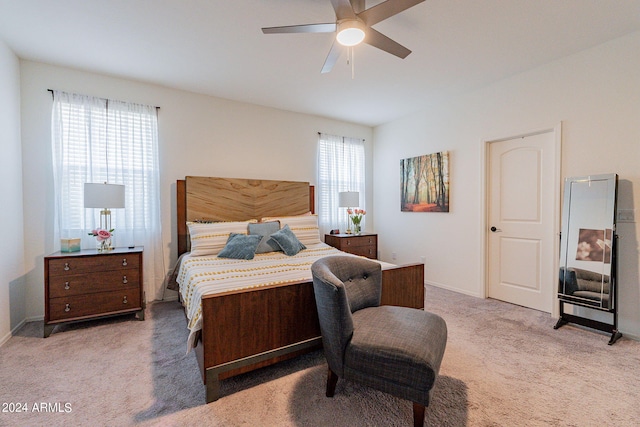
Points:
(235, 199)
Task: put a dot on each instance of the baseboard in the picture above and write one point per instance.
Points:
(630, 336)
(8, 336)
(449, 288)
(5, 338)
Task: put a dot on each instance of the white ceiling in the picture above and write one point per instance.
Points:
(216, 47)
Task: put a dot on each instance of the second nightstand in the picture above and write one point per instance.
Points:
(365, 244)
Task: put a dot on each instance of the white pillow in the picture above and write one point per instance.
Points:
(210, 238)
(305, 227)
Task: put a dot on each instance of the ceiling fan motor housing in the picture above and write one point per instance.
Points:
(350, 32)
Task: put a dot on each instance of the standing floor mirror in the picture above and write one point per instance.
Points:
(588, 253)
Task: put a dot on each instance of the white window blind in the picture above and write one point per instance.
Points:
(341, 167)
(99, 140)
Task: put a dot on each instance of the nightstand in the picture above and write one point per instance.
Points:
(90, 284)
(365, 244)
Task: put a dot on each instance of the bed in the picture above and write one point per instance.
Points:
(257, 325)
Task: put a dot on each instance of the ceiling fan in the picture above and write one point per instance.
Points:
(353, 26)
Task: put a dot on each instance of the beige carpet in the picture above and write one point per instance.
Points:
(504, 366)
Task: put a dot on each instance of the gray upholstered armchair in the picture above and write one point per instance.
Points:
(396, 350)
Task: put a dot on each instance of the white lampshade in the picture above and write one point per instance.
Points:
(350, 32)
(103, 195)
(348, 199)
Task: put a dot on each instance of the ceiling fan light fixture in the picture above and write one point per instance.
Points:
(350, 32)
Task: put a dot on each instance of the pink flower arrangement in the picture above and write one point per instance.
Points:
(356, 216)
(103, 237)
(101, 234)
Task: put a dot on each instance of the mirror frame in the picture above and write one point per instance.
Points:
(588, 245)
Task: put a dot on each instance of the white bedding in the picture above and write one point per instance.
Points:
(202, 275)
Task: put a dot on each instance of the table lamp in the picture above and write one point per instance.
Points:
(348, 199)
(104, 196)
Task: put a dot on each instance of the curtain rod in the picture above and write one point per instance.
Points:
(320, 133)
(105, 99)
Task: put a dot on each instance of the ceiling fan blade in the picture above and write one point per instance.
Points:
(385, 10)
(379, 40)
(307, 28)
(343, 9)
(333, 56)
(357, 5)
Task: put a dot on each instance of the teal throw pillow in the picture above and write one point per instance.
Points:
(287, 241)
(240, 246)
(265, 230)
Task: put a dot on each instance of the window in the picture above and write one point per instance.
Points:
(100, 140)
(341, 167)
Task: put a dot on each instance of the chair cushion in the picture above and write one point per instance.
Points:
(592, 281)
(397, 350)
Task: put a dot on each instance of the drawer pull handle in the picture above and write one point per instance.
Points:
(124, 262)
(66, 285)
(66, 266)
(124, 301)
(67, 308)
(124, 279)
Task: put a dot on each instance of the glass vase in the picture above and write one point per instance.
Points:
(104, 245)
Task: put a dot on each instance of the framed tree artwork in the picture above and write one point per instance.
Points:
(424, 183)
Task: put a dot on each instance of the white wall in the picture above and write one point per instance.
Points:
(596, 96)
(12, 292)
(199, 135)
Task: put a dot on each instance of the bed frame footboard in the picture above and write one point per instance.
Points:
(251, 328)
(403, 286)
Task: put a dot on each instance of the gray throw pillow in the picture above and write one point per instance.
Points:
(287, 241)
(240, 246)
(265, 230)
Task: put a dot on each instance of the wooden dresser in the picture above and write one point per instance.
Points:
(90, 284)
(365, 244)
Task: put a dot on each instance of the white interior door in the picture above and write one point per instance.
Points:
(521, 231)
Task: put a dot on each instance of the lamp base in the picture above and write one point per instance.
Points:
(105, 219)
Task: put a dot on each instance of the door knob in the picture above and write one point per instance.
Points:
(494, 229)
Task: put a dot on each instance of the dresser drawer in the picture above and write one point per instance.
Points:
(77, 284)
(78, 265)
(78, 306)
(368, 251)
(359, 241)
(363, 245)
